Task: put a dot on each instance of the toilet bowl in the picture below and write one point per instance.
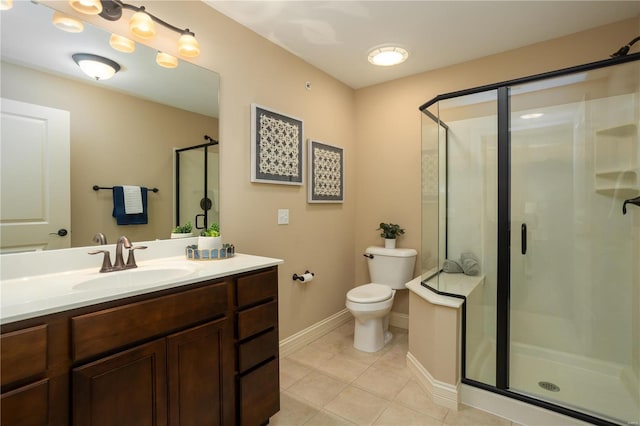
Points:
(370, 304)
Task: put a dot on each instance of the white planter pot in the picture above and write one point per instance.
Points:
(181, 235)
(209, 243)
(390, 243)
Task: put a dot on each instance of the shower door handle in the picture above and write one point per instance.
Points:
(523, 238)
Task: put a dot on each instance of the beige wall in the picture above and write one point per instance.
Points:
(116, 139)
(380, 122)
(388, 125)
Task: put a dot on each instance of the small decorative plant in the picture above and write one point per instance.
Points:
(212, 231)
(183, 229)
(390, 230)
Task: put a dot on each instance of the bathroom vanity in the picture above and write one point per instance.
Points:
(202, 349)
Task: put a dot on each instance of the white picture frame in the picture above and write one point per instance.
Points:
(326, 173)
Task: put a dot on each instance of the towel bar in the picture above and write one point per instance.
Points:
(96, 188)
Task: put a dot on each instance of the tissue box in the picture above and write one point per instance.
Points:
(193, 253)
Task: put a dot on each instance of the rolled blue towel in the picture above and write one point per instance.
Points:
(470, 264)
(452, 267)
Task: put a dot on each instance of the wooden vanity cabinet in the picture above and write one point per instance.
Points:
(256, 340)
(202, 354)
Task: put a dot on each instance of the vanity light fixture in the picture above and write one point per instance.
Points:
(88, 7)
(6, 4)
(387, 55)
(67, 23)
(141, 24)
(188, 45)
(165, 60)
(95, 66)
(122, 44)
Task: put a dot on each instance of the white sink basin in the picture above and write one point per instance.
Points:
(132, 278)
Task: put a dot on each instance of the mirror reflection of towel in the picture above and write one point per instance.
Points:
(119, 208)
(469, 263)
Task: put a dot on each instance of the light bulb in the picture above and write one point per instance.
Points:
(142, 26)
(122, 44)
(88, 7)
(188, 46)
(166, 60)
(67, 23)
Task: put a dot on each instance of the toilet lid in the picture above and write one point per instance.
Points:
(370, 293)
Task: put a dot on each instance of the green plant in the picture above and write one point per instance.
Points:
(211, 231)
(390, 230)
(183, 229)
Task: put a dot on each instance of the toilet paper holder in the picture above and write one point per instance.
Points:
(302, 276)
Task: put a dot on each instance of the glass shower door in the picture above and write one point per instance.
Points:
(574, 317)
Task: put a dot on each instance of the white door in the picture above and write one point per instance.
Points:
(34, 177)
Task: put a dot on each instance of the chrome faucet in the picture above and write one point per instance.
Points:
(122, 241)
(100, 239)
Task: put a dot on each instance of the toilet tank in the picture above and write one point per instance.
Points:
(393, 267)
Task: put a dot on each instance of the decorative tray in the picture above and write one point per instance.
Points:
(193, 253)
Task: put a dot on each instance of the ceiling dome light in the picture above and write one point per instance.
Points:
(88, 7)
(142, 25)
(67, 23)
(188, 45)
(388, 56)
(166, 60)
(532, 115)
(6, 4)
(122, 44)
(96, 66)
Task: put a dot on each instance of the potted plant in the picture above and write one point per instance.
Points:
(210, 238)
(390, 231)
(182, 231)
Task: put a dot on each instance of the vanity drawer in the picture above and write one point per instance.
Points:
(254, 351)
(101, 331)
(26, 406)
(257, 287)
(260, 394)
(254, 320)
(23, 353)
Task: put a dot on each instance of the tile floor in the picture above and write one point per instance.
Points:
(328, 382)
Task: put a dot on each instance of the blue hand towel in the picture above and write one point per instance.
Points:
(118, 208)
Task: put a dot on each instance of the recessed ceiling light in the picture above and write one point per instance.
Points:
(532, 115)
(387, 56)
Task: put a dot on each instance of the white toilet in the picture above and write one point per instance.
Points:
(370, 304)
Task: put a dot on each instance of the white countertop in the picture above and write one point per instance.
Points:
(31, 296)
(458, 284)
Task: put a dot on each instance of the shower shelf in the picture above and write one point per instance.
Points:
(616, 161)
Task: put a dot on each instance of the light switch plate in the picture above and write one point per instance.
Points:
(283, 216)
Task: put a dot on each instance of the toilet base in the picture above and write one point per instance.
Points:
(372, 334)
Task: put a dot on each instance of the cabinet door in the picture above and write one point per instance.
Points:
(128, 388)
(26, 406)
(198, 365)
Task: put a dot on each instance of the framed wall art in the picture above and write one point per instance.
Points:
(276, 147)
(326, 173)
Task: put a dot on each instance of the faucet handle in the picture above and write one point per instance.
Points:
(131, 260)
(106, 260)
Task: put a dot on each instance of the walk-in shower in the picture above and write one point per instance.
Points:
(531, 176)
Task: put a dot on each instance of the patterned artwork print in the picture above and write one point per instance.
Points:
(276, 147)
(327, 172)
(279, 147)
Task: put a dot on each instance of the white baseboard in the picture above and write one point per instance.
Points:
(441, 393)
(396, 319)
(309, 334)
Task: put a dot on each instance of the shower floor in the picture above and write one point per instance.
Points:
(586, 386)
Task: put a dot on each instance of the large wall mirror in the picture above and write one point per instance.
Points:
(121, 131)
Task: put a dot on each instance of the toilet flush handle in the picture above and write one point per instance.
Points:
(370, 256)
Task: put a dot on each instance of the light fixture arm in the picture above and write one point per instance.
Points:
(112, 10)
(625, 49)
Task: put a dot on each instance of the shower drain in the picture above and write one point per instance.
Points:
(552, 387)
